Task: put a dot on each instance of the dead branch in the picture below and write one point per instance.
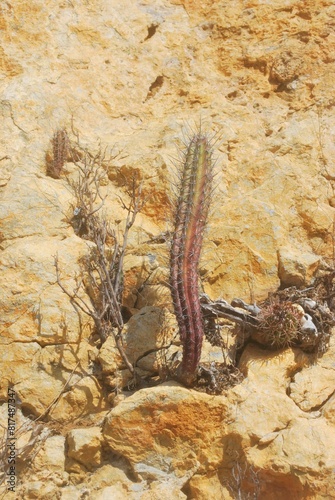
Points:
(221, 309)
(102, 268)
(310, 331)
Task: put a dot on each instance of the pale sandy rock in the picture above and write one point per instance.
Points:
(329, 410)
(159, 47)
(5, 173)
(277, 444)
(249, 249)
(158, 490)
(71, 493)
(83, 399)
(122, 380)
(41, 315)
(67, 358)
(270, 417)
(272, 369)
(44, 203)
(113, 481)
(208, 487)
(155, 290)
(141, 232)
(155, 189)
(161, 482)
(121, 487)
(51, 458)
(152, 328)
(84, 445)
(37, 402)
(109, 356)
(118, 492)
(137, 270)
(285, 67)
(317, 439)
(15, 360)
(41, 489)
(267, 373)
(313, 386)
(269, 437)
(309, 392)
(76, 470)
(307, 446)
(35, 308)
(29, 366)
(154, 295)
(296, 268)
(30, 435)
(106, 475)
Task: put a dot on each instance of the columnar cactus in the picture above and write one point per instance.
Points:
(190, 219)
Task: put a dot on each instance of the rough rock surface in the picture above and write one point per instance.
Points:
(244, 437)
(84, 445)
(133, 75)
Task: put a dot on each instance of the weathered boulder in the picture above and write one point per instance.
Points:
(147, 339)
(174, 439)
(84, 445)
(251, 449)
(84, 399)
(312, 387)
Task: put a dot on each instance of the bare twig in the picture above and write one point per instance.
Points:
(221, 309)
(102, 276)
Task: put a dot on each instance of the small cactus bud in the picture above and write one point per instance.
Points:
(60, 147)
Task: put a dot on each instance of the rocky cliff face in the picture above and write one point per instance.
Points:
(132, 75)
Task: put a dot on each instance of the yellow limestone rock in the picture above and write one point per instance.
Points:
(82, 399)
(84, 445)
(131, 74)
(173, 440)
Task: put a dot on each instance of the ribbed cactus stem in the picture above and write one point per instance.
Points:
(190, 221)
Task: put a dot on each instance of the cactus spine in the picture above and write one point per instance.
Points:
(189, 223)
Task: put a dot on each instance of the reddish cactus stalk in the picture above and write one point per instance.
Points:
(190, 221)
